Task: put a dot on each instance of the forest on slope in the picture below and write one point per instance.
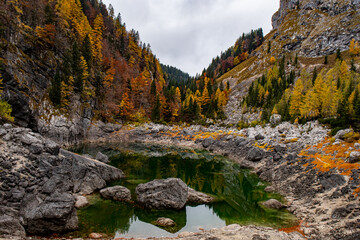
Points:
(76, 54)
(331, 94)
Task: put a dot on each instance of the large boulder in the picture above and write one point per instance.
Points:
(117, 193)
(255, 154)
(208, 142)
(354, 157)
(52, 214)
(171, 193)
(341, 134)
(275, 119)
(89, 175)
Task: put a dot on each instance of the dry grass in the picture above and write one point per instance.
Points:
(332, 157)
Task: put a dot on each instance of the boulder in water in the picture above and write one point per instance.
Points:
(171, 193)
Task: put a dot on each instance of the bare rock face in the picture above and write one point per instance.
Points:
(327, 6)
(38, 181)
(117, 193)
(10, 224)
(171, 193)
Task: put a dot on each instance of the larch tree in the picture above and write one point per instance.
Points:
(296, 99)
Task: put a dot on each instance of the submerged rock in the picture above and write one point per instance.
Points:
(81, 202)
(165, 222)
(274, 204)
(95, 235)
(117, 193)
(171, 193)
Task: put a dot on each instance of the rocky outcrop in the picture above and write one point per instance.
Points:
(316, 27)
(168, 193)
(327, 6)
(38, 180)
(117, 193)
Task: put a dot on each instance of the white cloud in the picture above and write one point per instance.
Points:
(187, 34)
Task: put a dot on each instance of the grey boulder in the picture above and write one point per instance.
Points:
(52, 214)
(171, 193)
(354, 157)
(255, 154)
(117, 193)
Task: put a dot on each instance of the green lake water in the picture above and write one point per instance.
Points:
(239, 192)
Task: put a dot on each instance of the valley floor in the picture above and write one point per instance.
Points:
(299, 161)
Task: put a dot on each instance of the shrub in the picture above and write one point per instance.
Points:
(241, 124)
(351, 137)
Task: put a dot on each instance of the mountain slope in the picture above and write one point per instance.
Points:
(65, 63)
(305, 33)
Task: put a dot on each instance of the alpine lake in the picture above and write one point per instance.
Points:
(238, 191)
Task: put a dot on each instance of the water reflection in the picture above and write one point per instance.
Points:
(239, 190)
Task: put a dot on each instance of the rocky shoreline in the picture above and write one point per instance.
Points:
(36, 174)
(40, 183)
(325, 202)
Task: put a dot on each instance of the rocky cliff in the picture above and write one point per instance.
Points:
(316, 27)
(303, 32)
(39, 183)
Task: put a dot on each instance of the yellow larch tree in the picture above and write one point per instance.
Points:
(354, 47)
(296, 98)
(126, 107)
(97, 37)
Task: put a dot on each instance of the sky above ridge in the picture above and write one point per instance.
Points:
(187, 34)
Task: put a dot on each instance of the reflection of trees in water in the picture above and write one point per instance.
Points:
(106, 217)
(239, 188)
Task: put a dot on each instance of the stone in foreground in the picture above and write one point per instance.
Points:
(117, 193)
(165, 222)
(171, 193)
(274, 204)
(53, 214)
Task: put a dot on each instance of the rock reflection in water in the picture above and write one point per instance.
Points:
(239, 190)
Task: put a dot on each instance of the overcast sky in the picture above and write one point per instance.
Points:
(187, 34)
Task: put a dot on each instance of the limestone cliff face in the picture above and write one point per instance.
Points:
(331, 7)
(307, 28)
(316, 27)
